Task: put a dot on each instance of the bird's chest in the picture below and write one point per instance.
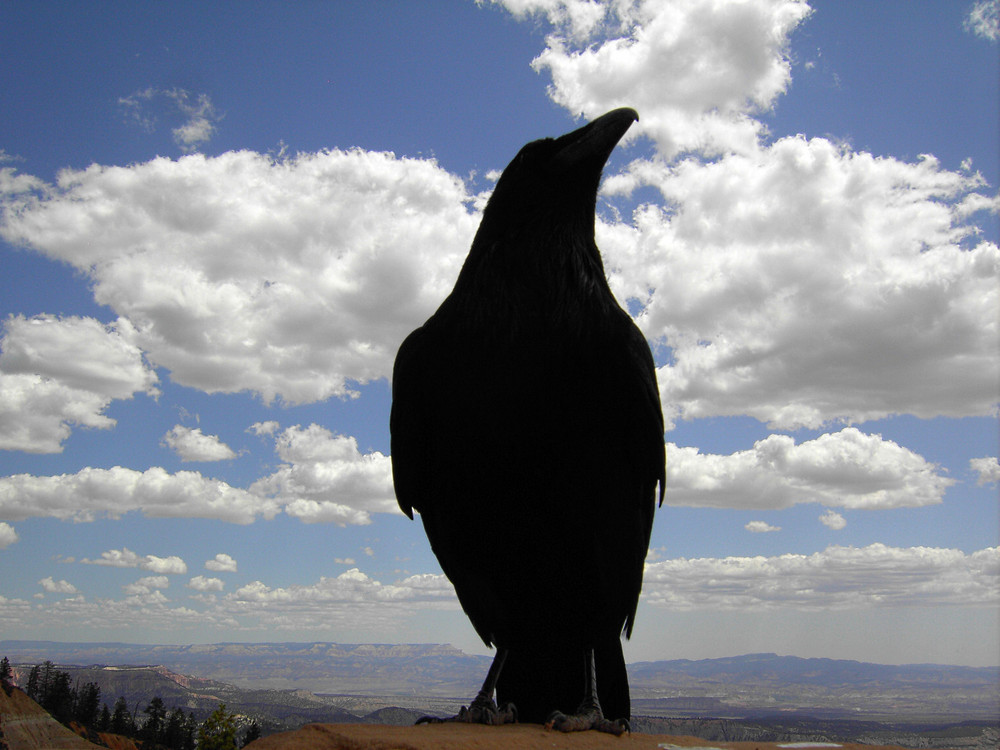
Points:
(530, 391)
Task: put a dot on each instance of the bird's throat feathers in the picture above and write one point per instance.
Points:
(549, 278)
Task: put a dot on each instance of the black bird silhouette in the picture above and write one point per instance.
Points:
(527, 431)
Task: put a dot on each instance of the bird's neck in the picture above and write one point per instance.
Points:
(551, 282)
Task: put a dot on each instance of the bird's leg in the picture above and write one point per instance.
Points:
(483, 709)
(588, 714)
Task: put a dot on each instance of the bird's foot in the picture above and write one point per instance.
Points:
(480, 711)
(587, 716)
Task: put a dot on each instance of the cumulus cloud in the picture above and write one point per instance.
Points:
(221, 563)
(8, 535)
(192, 445)
(198, 114)
(91, 492)
(325, 478)
(848, 469)
(261, 429)
(57, 372)
(126, 558)
(802, 283)
(761, 527)
(838, 577)
(201, 583)
(352, 600)
(696, 71)
(984, 19)
(349, 599)
(797, 281)
(57, 587)
(987, 468)
(833, 520)
(241, 272)
(146, 586)
(351, 586)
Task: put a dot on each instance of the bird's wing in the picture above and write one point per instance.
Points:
(408, 420)
(650, 450)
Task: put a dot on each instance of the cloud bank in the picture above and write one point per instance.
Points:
(842, 578)
(837, 577)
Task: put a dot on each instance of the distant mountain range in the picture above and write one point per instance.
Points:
(437, 676)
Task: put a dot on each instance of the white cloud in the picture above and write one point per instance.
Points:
(833, 520)
(695, 71)
(351, 601)
(57, 587)
(803, 283)
(988, 469)
(8, 535)
(838, 577)
(126, 558)
(760, 527)
(984, 19)
(57, 372)
(90, 493)
(351, 586)
(326, 479)
(221, 563)
(199, 114)
(848, 469)
(145, 586)
(578, 18)
(192, 445)
(201, 583)
(241, 272)
(201, 118)
(263, 428)
(798, 282)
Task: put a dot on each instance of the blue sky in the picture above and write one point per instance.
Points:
(218, 221)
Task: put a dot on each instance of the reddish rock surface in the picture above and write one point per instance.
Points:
(464, 736)
(28, 726)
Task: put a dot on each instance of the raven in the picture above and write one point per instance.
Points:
(527, 431)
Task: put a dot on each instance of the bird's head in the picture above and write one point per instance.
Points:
(556, 179)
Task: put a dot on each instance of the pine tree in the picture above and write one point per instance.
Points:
(190, 732)
(60, 697)
(121, 720)
(34, 676)
(88, 702)
(152, 730)
(174, 732)
(218, 732)
(104, 723)
(6, 675)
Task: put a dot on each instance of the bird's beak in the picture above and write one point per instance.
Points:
(591, 145)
